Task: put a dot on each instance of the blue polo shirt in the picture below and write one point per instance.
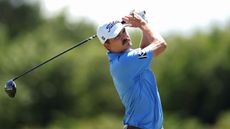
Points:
(137, 88)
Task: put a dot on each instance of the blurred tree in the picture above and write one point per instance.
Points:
(195, 79)
(19, 16)
(223, 121)
(193, 74)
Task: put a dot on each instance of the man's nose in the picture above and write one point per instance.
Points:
(125, 35)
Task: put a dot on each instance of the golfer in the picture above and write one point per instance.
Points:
(131, 72)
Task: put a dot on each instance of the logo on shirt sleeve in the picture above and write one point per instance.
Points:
(142, 55)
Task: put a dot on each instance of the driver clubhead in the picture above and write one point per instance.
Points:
(10, 88)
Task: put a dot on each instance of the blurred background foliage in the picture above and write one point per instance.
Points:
(76, 91)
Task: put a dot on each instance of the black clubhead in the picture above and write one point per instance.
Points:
(10, 88)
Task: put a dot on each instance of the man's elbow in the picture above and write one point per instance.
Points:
(164, 45)
(161, 47)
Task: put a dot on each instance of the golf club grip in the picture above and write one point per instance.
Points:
(48, 60)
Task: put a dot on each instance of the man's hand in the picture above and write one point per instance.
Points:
(134, 19)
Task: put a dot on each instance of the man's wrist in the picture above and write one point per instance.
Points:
(144, 26)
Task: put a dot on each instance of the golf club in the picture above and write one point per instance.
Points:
(10, 86)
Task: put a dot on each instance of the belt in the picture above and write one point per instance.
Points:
(131, 127)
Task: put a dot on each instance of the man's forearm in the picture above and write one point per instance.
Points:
(149, 36)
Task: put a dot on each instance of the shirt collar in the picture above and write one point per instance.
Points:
(113, 55)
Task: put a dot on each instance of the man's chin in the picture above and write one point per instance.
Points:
(127, 44)
(130, 43)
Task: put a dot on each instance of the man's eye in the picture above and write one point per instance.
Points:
(123, 31)
(119, 35)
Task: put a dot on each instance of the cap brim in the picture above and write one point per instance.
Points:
(118, 30)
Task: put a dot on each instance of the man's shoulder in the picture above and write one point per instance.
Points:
(138, 53)
(128, 54)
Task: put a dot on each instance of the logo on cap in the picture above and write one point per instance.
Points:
(102, 37)
(110, 25)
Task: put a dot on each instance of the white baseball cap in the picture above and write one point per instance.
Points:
(109, 30)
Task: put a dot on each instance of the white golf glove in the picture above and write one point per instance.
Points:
(140, 14)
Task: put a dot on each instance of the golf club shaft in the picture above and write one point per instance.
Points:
(48, 60)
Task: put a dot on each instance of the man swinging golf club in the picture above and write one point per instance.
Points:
(131, 72)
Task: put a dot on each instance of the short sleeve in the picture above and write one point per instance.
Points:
(136, 60)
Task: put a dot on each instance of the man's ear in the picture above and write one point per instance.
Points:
(107, 46)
